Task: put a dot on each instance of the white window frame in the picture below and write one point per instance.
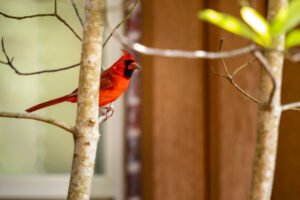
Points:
(108, 185)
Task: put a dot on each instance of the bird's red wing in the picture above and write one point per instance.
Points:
(106, 80)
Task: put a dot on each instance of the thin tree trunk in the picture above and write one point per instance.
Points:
(87, 130)
(268, 117)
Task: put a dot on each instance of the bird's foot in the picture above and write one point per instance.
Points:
(106, 112)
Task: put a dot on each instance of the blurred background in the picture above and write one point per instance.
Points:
(181, 132)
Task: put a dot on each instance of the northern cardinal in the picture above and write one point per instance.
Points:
(114, 81)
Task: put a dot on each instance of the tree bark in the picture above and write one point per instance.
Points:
(87, 129)
(269, 114)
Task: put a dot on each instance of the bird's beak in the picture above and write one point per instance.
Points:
(136, 66)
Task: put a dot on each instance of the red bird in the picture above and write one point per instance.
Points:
(113, 83)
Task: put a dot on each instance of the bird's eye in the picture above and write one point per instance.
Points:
(127, 63)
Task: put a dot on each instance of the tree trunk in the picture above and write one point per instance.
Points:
(87, 130)
(268, 116)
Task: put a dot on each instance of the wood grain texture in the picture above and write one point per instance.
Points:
(174, 128)
(287, 174)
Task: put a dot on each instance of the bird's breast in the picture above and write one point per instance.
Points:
(108, 95)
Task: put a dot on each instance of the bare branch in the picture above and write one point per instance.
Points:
(121, 22)
(77, 12)
(9, 62)
(69, 27)
(230, 77)
(143, 49)
(55, 6)
(291, 106)
(27, 16)
(219, 74)
(242, 67)
(267, 69)
(38, 118)
(135, 46)
(223, 61)
(263, 61)
(231, 80)
(54, 14)
(293, 57)
(243, 91)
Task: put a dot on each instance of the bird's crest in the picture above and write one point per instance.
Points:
(127, 55)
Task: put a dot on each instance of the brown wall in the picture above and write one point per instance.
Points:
(287, 184)
(173, 91)
(232, 117)
(199, 131)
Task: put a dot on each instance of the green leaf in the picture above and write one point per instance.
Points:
(287, 18)
(230, 24)
(292, 39)
(258, 23)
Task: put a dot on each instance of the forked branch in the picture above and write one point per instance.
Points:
(230, 78)
(125, 41)
(9, 62)
(54, 14)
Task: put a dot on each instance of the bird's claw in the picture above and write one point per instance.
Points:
(107, 113)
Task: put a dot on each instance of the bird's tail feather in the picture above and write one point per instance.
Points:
(51, 102)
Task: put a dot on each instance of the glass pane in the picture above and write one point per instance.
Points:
(26, 146)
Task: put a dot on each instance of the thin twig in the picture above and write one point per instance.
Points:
(9, 62)
(77, 12)
(54, 14)
(231, 80)
(230, 77)
(69, 27)
(290, 106)
(240, 68)
(55, 6)
(293, 57)
(121, 22)
(267, 69)
(47, 120)
(143, 49)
